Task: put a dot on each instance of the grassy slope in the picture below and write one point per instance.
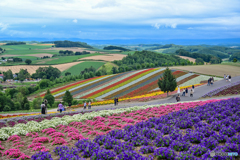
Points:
(75, 70)
(109, 66)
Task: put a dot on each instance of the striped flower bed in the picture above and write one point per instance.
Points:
(112, 83)
(130, 82)
(148, 87)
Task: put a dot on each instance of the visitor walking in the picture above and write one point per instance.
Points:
(60, 107)
(45, 102)
(85, 105)
(178, 90)
(183, 94)
(115, 101)
(225, 76)
(89, 105)
(191, 93)
(186, 91)
(230, 77)
(178, 98)
(209, 81)
(43, 108)
(193, 88)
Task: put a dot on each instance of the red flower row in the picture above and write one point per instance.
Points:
(62, 88)
(117, 83)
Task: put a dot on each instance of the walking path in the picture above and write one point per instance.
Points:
(198, 93)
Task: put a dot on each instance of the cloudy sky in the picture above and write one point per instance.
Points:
(120, 19)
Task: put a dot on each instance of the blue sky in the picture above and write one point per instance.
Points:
(120, 19)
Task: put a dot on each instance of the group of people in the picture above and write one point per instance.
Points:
(227, 77)
(185, 92)
(60, 107)
(85, 105)
(210, 81)
(115, 101)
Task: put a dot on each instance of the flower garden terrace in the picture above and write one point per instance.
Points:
(127, 85)
(170, 131)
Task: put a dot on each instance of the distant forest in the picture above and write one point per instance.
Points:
(235, 55)
(15, 43)
(148, 59)
(71, 44)
(116, 47)
(218, 51)
(206, 57)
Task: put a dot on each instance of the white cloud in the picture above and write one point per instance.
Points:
(75, 20)
(190, 28)
(3, 26)
(106, 3)
(156, 25)
(44, 26)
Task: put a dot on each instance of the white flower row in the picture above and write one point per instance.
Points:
(99, 79)
(198, 79)
(33, 126)
(107, 84)
(178, 79)
(131, 83)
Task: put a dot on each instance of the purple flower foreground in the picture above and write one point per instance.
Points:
(186, 134)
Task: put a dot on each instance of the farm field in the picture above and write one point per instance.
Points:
(131, 84)
(32, 68)
(76, 69)
(218, 69)
(180, 129)
(108, 57)
(189, 58)
(109, 67)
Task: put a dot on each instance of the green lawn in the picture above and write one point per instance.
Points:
(75, 70)
(127, 52)
(109, 67)
(64, 59)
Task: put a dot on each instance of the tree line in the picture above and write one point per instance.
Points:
(147, 59)
(15, 43)
(116, 47)
(235, 55)
(67, 52)
(71, 44)
(205, 57)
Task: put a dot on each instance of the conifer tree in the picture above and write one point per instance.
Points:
(167, 82)
(67, 97)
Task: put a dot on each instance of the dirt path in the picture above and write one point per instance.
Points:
(109, 57)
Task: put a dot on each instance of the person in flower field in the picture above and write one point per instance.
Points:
(193, 88)
(178, 98)
(230, 77)
(89, 104)
(45, 102)
(191, 93)
(178, 90)
(115, 101)
(60, 107)
(43, 108)
(183, 94)
(85, 105)
(186, 91)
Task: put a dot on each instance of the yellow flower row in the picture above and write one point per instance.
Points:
(135, 97)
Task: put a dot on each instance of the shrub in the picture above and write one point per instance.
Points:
(6, 108)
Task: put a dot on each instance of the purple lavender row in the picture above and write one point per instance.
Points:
(186, 134)
(216, 91)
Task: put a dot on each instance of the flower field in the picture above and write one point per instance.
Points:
(230, 89)
(169, 131)
(125, 85)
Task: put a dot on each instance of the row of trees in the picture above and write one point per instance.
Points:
(116, 48)
(15, 43)
(71, 44)
(67, 52)
(205, 57)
